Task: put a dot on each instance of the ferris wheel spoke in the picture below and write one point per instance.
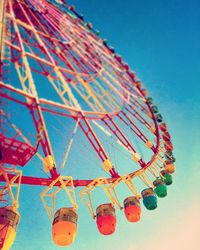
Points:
(136, 115)
(125, 118)
(140, 106)
(91, 93)
(105, 75)
(43, 137)
(93, 139)
(79, 49)
(39, 124)
(60, 76)
(56, 69)
(104, 95)
(27, 72)
(68, 48)
(70, 145)
(26, 76)
(122, 138)
(3, 95)
(119, 142)
(79, 79)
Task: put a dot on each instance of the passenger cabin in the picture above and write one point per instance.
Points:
(64, 226)
(149, 199)
(106, 219)
(167, 177)
(132, 209)
(9, 219)
(160, 188)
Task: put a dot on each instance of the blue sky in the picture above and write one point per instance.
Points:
(160, 40)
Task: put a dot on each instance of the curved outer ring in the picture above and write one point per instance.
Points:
(30, 180)
(88, 115)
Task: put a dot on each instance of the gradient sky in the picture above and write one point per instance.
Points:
(160, 40)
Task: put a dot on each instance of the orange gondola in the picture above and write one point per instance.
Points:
(132, 209)
(64, 226)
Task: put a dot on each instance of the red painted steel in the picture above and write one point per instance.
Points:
(42, 135)
(45, 43)
(88, 131)
(15, 152)
(131, 110)
(124, 117)
(120, 136)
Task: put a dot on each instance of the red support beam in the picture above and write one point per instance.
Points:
(120, 136)
(38, 181)
(125, 118)
(91, 136)
(42, 134)
(132, 110)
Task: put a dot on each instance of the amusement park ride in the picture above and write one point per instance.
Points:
(55, 69)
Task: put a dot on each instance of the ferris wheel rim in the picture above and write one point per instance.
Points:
(91, 115)
(96, 104)
(41, 101)
(37, 180)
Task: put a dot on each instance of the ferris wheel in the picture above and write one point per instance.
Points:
(76, 120)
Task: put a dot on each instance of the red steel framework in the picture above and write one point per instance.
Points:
(75, 61)
(54, 63)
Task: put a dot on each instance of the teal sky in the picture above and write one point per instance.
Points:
(160, 40)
